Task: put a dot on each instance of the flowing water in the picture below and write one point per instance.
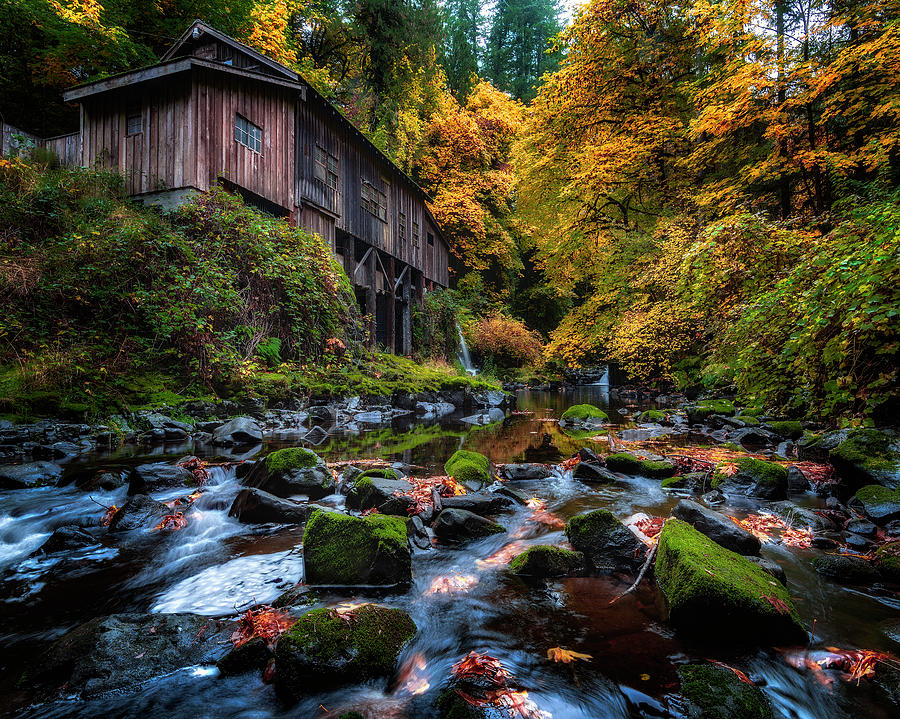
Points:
(216, 567)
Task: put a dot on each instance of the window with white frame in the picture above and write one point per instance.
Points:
(248, 134)
(326, 168)
(374, 201)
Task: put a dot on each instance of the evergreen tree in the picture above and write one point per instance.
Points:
(462, 49)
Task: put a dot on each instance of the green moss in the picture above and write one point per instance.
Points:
(876, 494)
(733, 447)
(718, 693)
(321, 642)
(284, 460)
(584, 411)
(760, 471)
(464, 455)
(717, 406)
(749, 421)
(866, 453)
(380, 473)
(657, 469)
(888, 558)
(789, 429)
(672, 482)
(339, 549)
(351, 715)
(707, 585)
(469, 468)
(624, 462)
(652, 415)
(452, 706)
(750, 412)
(544, 560)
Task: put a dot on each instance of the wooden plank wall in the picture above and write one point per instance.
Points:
(8, 139)
(66, 147)
(270, 173)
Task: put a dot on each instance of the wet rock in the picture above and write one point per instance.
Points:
(152, 477)
(544, 561)
(824, 542)
(721, 530)
(139, 512)
(254, 506)
(590, 472)
(299, 595)
(30, 474)
(119, 651)
(236, 432)
(292, 471)
(698, 413)
(459, 525)
(470, 469)
(887, 557)
(770, 567)
(713, 498)
(315, 436)
(525, 471)
(607, 544)
(752, 437)
(751, 477)
(881, 505)
(706, 585)
(868, 456)
(715, 692)
(845, 569)
(862, 528)
(68, 538)
(693, 482)
(483, 504)
(857, 543)
(515, 495)
(627, 463)
(386, 495)
(323, 649)
(249, 656)
(583, 417)
(801, 517)
(343, 550)
(817, 448)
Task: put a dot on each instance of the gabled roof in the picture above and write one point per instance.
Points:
(199, 28)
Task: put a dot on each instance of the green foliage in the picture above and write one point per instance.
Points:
(435, 329)
(505, 341)
(269, 350)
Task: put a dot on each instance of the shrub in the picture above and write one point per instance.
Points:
(506, 341)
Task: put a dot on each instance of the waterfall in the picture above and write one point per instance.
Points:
(463, 354)
(604, 378)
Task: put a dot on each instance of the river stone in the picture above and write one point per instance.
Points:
(459, 525)
(590, 472)
(254, 506)
(607, 544)
(801, 517)
(470, 469)
(868, 456)
(719, 529)
(30, 474)
(753, 477)
(119, 651)
(342, 550)
(251, 655)
(881, 505)
(846, 570)
(152, 477)
(139, 512)
(710, 588)
(525, 471)
(797, 481)
(483, 504)
(292, 471)
(516, 495)
(816, 448)
(388, 496)
(66, 539)
(544, 561)
(715, 692)
(692, 482)
(324, 649)
(771, 567)
(238, 431)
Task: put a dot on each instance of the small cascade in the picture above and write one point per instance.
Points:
(463, 354)
(604, 378)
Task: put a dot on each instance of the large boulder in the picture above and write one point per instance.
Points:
(290, 472)
(479, 503)
(846, 569)
(153, 477)
(119, 651)
(710, 589)
(751, 477)
(525, 471)
(868, 456)
(237, 432)
(470, 469)
(607, 544)
(459, 525)
(627, 463)
(327, 647)
(594, 473)
(817, 447)
(343, 550)
(139, 512)
(880, 504)
(719, 529)
(543, 561)
(716, 692)
(253, 506)
(30, 474)
(583, 416)
(388, 496)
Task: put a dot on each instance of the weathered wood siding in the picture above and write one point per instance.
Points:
(66, 147)
(269, 173)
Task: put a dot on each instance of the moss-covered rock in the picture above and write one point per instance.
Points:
(627, 463)
(471, 469)
(846, 569)
(749, 421)
(388, 496)
(607, 544)
(583, 414)
(888, 559)
(451, 705)
(252, 655)
(657, 468)
(709, 588)
(284, 460)
(325, 649)
(868, 456)
(343, 550)
(652, 415)
(697, 413)
(692, 482)
(292, 471)
(751, 477)
(788, 429)
(880, 504)
(717, 693)
(544, 560)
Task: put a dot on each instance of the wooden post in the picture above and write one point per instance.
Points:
(390, 332)
(371, 303)
(407, 313)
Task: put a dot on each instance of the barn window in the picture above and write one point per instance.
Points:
(134, 120)
(415, 234)
(373, 201)
(246, 133)
(326, 168)
(401, 228)
(431, 239)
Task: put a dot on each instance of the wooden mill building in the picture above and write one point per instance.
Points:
(214, 110)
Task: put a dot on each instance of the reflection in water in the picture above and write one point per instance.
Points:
(461, 599)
